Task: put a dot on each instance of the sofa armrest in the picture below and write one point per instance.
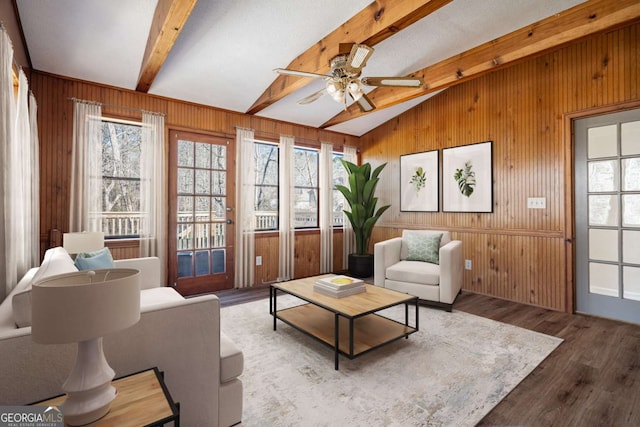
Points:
(385, 254)
(451, 271)
(150, 274)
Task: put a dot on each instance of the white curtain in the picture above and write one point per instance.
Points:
(35, 181)
(19, 186)
(7, 113)
(245, 221)
(86, 167)
(326, 207)
(348, 238)
(153, 188)
(287, 192)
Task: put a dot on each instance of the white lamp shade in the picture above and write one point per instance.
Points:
(75, 307)
(86, 241)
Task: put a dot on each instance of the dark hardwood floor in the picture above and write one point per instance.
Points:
(591, 379)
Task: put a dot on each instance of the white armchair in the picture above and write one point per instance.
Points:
(438, 282)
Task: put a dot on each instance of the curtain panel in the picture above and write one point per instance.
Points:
(19, 184)
(245, 222)
(286, 225)
(326, 207)
(86, 167)
(348, 238)
(153, 188)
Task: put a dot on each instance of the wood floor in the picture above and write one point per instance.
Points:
(591, 379)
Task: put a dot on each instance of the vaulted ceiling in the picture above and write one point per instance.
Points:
(222, 53)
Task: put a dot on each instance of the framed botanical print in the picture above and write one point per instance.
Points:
(419, 182)
(467, 178)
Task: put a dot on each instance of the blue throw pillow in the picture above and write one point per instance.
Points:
(94, 260)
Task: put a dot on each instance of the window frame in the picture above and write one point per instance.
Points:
(316, 188)
(139, 125)
(276, 186)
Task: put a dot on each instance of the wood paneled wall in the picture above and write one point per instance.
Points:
(517, 253)
(55, 127)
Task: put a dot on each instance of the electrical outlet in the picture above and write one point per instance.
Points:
(467, 264)
(537, 202)
(259, 260)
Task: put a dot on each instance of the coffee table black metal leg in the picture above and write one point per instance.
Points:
(337, 336)
(417, 316)
(275, 307)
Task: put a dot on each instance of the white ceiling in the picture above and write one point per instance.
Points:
(226, 53)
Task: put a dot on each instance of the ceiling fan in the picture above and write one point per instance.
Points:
(344, 77)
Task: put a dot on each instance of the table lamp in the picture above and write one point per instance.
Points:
(82, 307)
(85, 241)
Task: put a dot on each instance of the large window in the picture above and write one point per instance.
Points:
(266, 200)
(305, 202)
(121, 143)
(305, 199)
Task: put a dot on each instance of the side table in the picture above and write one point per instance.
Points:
(142, 399)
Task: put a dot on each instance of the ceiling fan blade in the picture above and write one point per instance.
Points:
(301, 73)
(358, 57)
(309, 99)
(392, 81)
(365, 103)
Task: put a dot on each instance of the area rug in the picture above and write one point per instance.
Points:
(450, 373)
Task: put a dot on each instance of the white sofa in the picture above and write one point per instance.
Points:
(433, 284)
(180, 336)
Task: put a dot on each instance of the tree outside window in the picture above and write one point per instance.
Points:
(266, 197)
(339, 178)
(121, 145)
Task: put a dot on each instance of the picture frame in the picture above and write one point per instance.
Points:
(419, 182)
(467, 178)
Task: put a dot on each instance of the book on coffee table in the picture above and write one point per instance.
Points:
(340, 282)
(339, 286)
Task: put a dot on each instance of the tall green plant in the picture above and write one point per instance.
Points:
(360, 196)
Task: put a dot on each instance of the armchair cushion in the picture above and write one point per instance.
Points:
(425, 247)
(423, 273)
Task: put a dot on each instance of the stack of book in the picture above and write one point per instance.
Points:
(339, 286)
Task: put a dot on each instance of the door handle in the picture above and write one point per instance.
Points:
(229, 221)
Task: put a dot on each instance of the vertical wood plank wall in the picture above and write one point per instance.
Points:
(517, 253)
(55, 127)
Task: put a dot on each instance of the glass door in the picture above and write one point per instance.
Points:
(607, 213)
(201, 209)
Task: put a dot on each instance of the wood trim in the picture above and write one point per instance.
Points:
(168, 21)
(478, 230)
(373, 24)
(576, 23)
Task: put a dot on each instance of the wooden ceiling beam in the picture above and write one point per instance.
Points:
(373, 24)
(582, 20)
(168, 20)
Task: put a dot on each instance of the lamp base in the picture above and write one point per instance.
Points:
(89, 390)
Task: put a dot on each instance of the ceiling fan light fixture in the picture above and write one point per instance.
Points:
(333, 87)
(338, 96)
(355, 90)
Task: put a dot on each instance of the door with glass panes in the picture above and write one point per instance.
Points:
(201, 212)
(607, 214)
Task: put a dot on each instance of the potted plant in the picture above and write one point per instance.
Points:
(363, 215)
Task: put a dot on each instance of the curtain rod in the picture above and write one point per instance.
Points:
(277, 135)
(124, 107)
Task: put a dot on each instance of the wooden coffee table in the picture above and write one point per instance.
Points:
(350, 325)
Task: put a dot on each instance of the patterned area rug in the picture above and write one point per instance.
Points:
(450, 373)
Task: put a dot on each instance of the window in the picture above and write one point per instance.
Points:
(305, 201)
(266, 199)
(121, 144)
(339, 177)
